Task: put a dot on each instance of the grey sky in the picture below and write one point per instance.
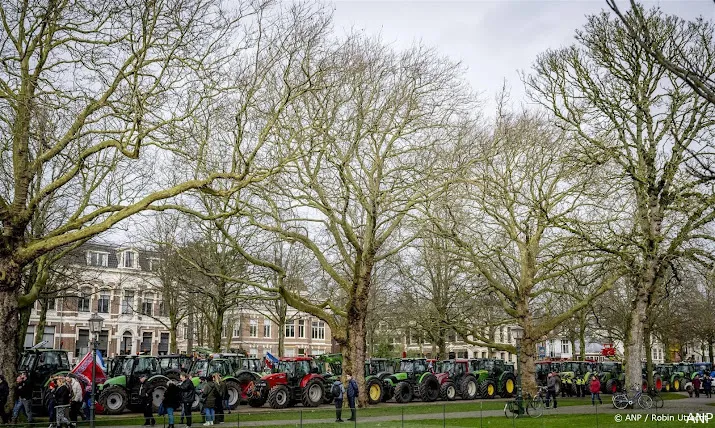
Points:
(493, 39)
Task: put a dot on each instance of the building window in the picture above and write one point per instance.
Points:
(97, 258)
(30, 336)
(147, 304)
(146, 342)
(129, 259)
(128, 302)
(267, 328)
(318, 331)
(289, 352)
(163, 310)
(103, 303)
(565, 347)
(253, 329)
(164, 344)
(508, 335)
(82, 344)
(301, 329)
(253, 353)
(126, 347)
(503, 356)
(154, 264)
(83, 301)
(484, 354)
(237, 329)
(290, 330)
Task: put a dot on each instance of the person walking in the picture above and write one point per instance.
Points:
(222, 401)
(696, 386)
(4, 394)
(210, 395)
(338, 391)
(551, 390)
(188, 395)
(146, 402)
(51, 389)
(595, 388)
(172, 401)
(76, 395)
(23, 395)
(707, 385)
(353, 393)
(63, 399)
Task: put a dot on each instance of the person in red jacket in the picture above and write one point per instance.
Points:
(595, 388)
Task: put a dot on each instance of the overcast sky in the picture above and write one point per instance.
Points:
(493, 39)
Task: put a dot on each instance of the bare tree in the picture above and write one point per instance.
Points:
(643, 126)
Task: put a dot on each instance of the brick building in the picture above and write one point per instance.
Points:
(119, 283)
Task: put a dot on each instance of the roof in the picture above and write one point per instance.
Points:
(79, 255)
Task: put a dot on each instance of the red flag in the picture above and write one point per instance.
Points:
(84, 370)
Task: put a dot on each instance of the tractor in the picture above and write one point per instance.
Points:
(121, 390)
(657, 379)
(575, 376)
(413, 379)
(493, 377)
(294, 379)
(172, 365)
(543, 368)
(686, 372)
(672, 380)
(455, 379)
(40, 365)
(376, 387)
(236, 371)
(611, 376)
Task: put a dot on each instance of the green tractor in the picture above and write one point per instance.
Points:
(543, 368)
(657, 379)
(494, 377)
(684, 372)
(672, 380)
(237, 372)
(413, 379)
(121, 390)
(376, 387)
(612, 376)
(40, 365)
(575, 376)
(172, 365)
(455, 379)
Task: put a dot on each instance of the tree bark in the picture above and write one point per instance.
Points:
(10, 284)
(190, 333)
(23, 325)
(217, 329)
(648, 356)
(527, 361)
(634, 339)
(40, 329)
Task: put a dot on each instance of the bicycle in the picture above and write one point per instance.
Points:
(658, 402)
(530, 405)
(621, 400)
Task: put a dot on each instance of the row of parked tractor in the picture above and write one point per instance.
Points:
(575, 375)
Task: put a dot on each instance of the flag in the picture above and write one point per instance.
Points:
(84, 369)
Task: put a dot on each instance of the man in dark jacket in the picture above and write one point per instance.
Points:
(172, 401)
(188, 395)
(146, 401)
(4, 393)
(223, 398)
(23, 394)
(63, 395)
(353, 393)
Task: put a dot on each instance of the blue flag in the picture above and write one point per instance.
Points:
(271, 358)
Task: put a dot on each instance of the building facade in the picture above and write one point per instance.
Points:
(120, 284)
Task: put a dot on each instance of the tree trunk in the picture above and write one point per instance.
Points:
(356, 335)
(582, 337)
(634, 339)
(40, 329)
(9, 317)
(648, 356)
(190, 333)
(23, 325)
(217, 328)
(441, 344)
(527, 363)
(710, 349)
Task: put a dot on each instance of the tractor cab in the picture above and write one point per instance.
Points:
(121, 390)
(494, 377)
(611, 376)
(377, 366)
(413, 367)
(173, 365)
(295, 379)
(575, 375)
(40, 365)
(205, 368)
(687, 369)
(543, 368)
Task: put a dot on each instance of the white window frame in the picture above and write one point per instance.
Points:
(237, 329)
(267, 328)
(127, 308)
(253, 328)
(100, 299)
(84, 295)
(103, 261)
(565, 347)
(290, 330)
(148, 299)
(301, 329)
(123, 260)
(317, 330)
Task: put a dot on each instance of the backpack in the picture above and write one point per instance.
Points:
(335, 391)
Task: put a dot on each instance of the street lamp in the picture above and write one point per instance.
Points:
(518, 333)
(95, 326)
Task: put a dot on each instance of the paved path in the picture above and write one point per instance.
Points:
(686, 405)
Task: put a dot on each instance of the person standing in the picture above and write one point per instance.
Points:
(51, 389)
(551, 390)
(145, 400)
(707, 385)
(210, 395)
(76, 395)
(353, 393)
(188, 395)
(338, 391)
(696, 386)
(172, 401)
(595, 388)
(222, 401)
(23, 394)
(4, 393)
(63, 398)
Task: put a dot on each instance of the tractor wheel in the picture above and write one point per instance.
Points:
(677, 384)
(312, 394)
(487, 389)
(658, 383)
(611, 386)
(233, 389)
(256, 400)
(666, 386)
(244, 381)
(114, 399)
(447, 391)
(508, 386)
(196, 405)
(389, 391)
(279, 397)
(469, 388)
(429, 388)
(644, 385)
(403, 392)
(374, 390)
(157, 389)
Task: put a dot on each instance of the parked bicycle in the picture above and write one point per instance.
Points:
(657, 399)
(621, 400)
(530, 405)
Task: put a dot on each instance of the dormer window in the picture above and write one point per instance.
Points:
(129, 259)
(154, 264)
(97, 258)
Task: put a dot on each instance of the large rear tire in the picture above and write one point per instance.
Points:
(487, 389)
(233, 390)
(374, 390)
(677, 384)
(312, 394)
(611, 386)
(469, 388)
(279, 397)
(244, 381)
(508, 386)
(114, 400)
(448, 391)
(429, 388)
(403, 392)
(157, 389)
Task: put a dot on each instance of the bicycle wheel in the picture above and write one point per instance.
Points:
(658, 402)
(645, 401)
(620, 401)
(536, 407)
(510, 410)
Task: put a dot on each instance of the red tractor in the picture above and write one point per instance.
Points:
(454, 379)
(294, 379)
